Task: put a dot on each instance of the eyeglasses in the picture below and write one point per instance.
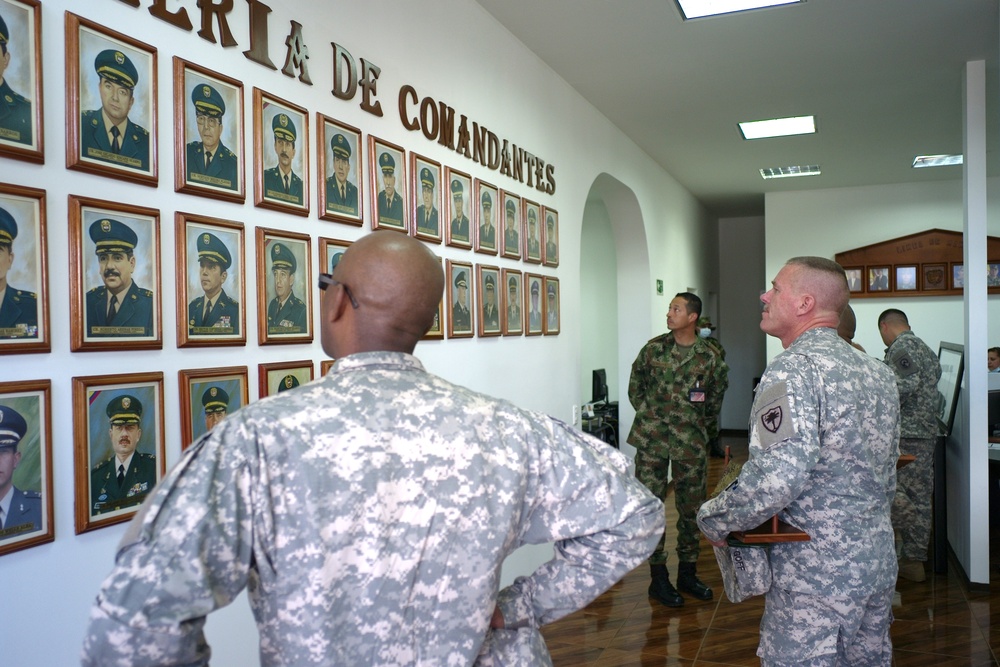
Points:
(325, 280)
(208, 121)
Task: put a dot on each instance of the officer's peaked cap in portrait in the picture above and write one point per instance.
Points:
(282, 257)
(12, 427)
(208, 101)
(288, 382)
(4, 34)
(386, 163)
(211, 248)
(456, 188)
(283, 127)
(8, 227)
(115, 66)
(511, 207)
(487, 200)
(215, 399)
(460, 279)
(340, 146)
(124, 409)
(110, 235)
(490, 284)
(427, 178)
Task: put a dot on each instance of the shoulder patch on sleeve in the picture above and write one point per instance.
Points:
(904, 365)
(773, 415)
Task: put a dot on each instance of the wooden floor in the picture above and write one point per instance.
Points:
(939, 623)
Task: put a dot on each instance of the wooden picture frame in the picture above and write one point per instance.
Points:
(122, 413)
(460, 303)
(532, 232)
(275, 378)
(24, 311)
(512, 312)
(425, 198)
(209, 395)
(512, 226)
(957, 275)
(284, 259)
(934, 277)
(487, 286)
(878, 279)
(111, 228)
(534, 315)
(280, 152)
(436, 331)
(325, 365)
(552, 308)
(22, 130)
(855, 279)
(550, 237)
(487, 202)
(210, 265)
(905, 278)
(458, 232)
(112, 76)
(388, 185)
(26, 410)
(992, 274)
(339, 181)
(330, 251)
(208, 133)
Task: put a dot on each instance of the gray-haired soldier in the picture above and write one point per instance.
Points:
(368, 513)
(824, 433)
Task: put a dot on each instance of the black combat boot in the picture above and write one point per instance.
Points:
(688, 583)
(660, 589)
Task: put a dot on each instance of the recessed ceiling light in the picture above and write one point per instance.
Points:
(778, 127)
(694, 9)
(789, 172)
(936, 160)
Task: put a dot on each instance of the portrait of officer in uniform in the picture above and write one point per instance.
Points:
(389, 203)
(487, 238)
(209, 161)
(215, 405)
(513, 322)
(459, 221)
(286, 313)
(119, 307)
(551, 306)
(123, 478)
(215, 312)
(281, 377)
(490, 305)
(461, 317)
(533, 249)
(108, 134)
(341, 193)
(281, 183)
(18, 307)
(511, 234)
(535, 306)
(551, 240)
(16, 110)
(427, 213)
(20, 509)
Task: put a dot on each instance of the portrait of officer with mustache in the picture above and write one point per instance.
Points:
(281, 183)
(119, 307)
(124, 478)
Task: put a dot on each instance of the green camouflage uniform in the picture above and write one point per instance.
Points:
(670, 428)
(917, 373)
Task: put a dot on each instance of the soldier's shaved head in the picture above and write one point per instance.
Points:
(397, 283)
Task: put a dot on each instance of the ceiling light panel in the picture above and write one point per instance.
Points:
(694, 9)
(936, 160)
(790, 172)
(778, 127)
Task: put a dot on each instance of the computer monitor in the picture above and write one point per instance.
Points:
(993, 412)
(599, 392)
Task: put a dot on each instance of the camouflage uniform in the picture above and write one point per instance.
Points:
(670, 428)
(917, 372)
(824, 435)
(368, 514)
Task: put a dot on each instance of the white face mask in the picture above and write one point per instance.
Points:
(704, 332)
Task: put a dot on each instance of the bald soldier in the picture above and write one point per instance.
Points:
(823, 448)
(335, 579)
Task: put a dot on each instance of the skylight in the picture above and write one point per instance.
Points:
(778, 127)
(695, 9)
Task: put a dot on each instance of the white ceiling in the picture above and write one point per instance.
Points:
(883, 78)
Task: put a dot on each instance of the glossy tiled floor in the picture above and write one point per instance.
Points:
(939, 623)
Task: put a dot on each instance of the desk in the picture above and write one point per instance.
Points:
(604, 423)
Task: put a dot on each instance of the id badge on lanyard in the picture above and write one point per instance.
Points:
(697, 393)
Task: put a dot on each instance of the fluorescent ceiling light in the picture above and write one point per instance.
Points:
(790, 172)
(778, 127)
(694, 9)
(936, 160)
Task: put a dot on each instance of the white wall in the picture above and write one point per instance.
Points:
(598, 301)
(449, 49)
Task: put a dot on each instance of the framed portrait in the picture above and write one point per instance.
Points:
(532, 235)
(855, 282)
(280, 154)
(459, 231)
(114, 276)
(111, 98)
(330, 251)
(436, 332)
(325, 366)
(993, 274)
(26, 464)
(487, 201)
(275, 378)
(906, 278)
(460, 305)
(211, 281)
(878, 279)
(533, 290)
(284, 271)
(933, 277)
(118, 445)
(550, 237)
(551, 306)
(487, 284)
(21, 127)
(511, 211)
(209, 395)
(208, 133)
(510, 303)
(425, 198)
(388, 181)
(957, 276)
(340, 184)
(24, 308)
